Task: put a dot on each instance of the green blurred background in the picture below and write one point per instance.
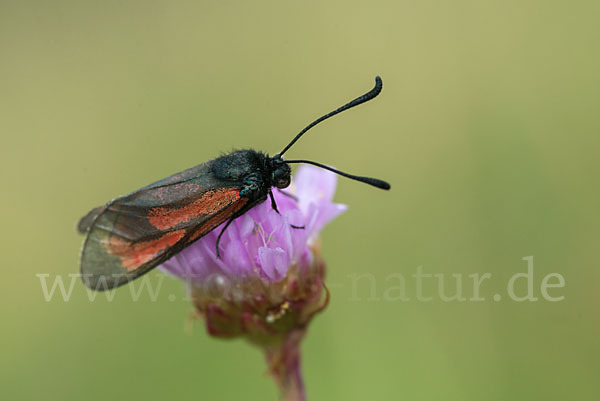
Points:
(487, 129)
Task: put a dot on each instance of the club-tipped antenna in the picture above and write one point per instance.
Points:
(361, 99)
(367, 180)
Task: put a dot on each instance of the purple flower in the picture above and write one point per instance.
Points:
(261, 242)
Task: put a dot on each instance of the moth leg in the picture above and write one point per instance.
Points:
(274, 206)
(221, 234)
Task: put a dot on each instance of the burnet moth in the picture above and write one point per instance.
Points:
(132, 234)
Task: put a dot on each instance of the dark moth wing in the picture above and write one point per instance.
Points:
(135, 233)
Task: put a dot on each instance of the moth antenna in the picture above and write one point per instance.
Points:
(361, 99)
(367, 180)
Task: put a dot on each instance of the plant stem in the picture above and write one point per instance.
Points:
(284, 365)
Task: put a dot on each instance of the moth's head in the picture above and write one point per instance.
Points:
(281, 173)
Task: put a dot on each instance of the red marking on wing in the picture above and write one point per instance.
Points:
(217, 219)
(164, 218)
(133, 255)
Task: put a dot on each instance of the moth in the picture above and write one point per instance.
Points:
(134, 233)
